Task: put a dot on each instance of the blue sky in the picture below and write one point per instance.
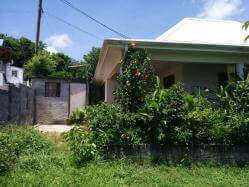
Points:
(135, 18)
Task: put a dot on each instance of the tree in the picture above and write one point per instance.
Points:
(42, 64)
(136, 81)
(52, 65)
(90, 62)
(23, 49)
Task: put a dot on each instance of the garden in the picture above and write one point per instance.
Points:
(143, 114)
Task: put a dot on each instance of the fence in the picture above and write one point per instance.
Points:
(17, 104)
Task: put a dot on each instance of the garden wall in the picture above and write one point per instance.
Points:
(204, 153)
(17, 104)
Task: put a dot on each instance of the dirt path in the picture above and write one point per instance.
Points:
(54, 128)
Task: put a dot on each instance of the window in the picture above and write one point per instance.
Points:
(222, 78)
(52, 89)
(169, 81)
(14, 73)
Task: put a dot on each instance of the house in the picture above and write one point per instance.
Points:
(57, 98)
(8, 73)
(198, 52)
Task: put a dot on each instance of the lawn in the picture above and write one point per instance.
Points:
(56, 168)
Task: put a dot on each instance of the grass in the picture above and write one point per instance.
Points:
(57, 169)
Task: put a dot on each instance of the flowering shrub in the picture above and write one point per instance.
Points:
(136, 81)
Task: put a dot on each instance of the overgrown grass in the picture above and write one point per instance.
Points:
(57, 168)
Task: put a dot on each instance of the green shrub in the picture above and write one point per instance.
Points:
(234, 97)
(239, 125)
(8, 152)
(109, 125)
(106, 125)
(18, 141)
(81, 145)
(136, 81)
(165, 111)
(77, 117)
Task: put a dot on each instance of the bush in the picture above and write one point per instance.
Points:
(239, 125)
(234, 97)
(106, 125)
(81, 145)
(165, 111)
(204, 123)
(8, 152)
(136, 81)
(77, 117)
(109, 125)
(16, 142)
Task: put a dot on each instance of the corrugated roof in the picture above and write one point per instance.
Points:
(203, 31)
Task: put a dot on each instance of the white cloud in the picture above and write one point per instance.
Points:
(59, 41)
(221, 9)
(51, 49)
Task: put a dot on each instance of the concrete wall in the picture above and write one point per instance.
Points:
(202, 153)
(4, 100)
(50, 109)
(56, 110)
(17, 104)
(78, 95)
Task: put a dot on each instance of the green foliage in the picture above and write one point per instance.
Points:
(16, 142)
(105, 125)
(23, 49)
(81, 145)
(109, 125)
(41, 65)
(56, 170)
(205, 124)
(165, 112)
(136, 81)
(77, 117)
(52, 65)
(90, 62)
(234, 97)
(8, 152)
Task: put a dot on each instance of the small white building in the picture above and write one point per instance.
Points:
(8, 73)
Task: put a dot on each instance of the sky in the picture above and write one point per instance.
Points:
(141, 19)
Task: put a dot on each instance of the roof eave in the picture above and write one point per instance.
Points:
(173, 46)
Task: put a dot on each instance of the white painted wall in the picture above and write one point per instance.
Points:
(13, 79)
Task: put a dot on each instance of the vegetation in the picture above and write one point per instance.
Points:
(166, 116)
(45, 160)
(23, 48)
(90, 61)
(137, 80)
(49, 64)
(19, 142)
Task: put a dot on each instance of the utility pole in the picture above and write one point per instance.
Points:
(38, 26)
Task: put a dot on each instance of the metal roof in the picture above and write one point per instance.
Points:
(204, 31)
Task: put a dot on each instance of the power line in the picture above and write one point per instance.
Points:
(71, 25)
(90, 17)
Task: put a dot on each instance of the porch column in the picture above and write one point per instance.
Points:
(110, 85)
(240, 71)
